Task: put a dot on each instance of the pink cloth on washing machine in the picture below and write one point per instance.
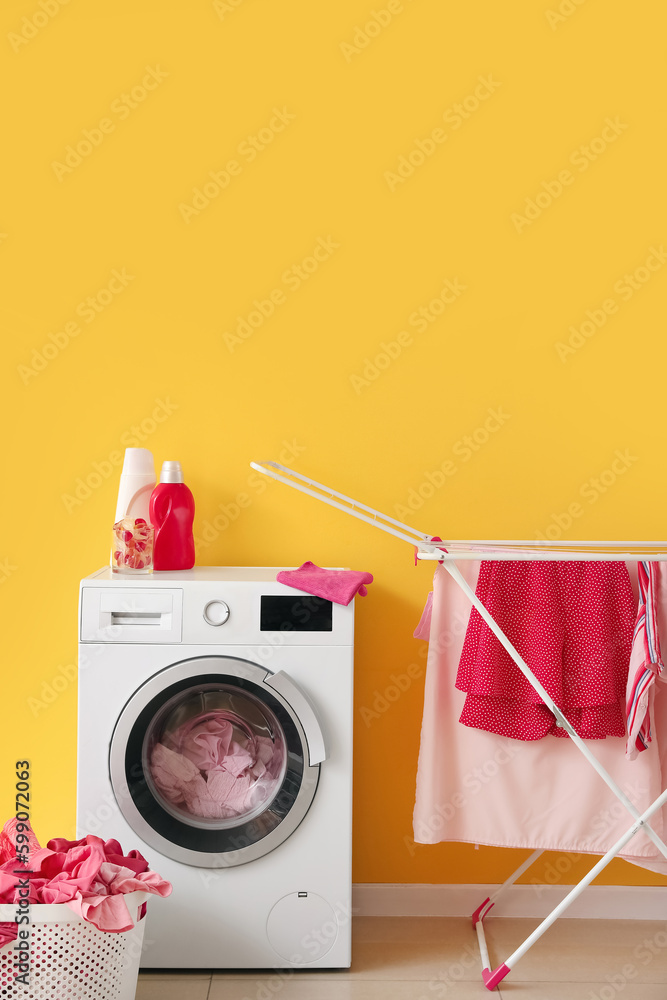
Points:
(337, 585)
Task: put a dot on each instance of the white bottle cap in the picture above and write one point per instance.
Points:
(171, 472)
(138, 462)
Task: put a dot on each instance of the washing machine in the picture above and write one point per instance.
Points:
(215, 736)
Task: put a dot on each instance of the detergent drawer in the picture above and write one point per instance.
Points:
(120, 614)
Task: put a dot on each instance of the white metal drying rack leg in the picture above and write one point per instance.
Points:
(431, 547)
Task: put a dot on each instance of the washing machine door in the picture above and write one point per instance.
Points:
(215, 761)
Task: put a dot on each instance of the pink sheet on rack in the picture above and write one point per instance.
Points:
(478, 787)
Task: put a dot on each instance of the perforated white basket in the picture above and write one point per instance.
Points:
(70, 959)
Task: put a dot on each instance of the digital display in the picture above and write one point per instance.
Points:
(295, 614)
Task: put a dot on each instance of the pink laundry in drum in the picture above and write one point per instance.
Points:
(572, 623)
(203, 770)
(337, 585)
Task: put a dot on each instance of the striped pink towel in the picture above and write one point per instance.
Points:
(645, 662)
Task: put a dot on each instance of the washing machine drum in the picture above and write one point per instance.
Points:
(215, 761)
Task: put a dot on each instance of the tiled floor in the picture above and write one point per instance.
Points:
(429, 958)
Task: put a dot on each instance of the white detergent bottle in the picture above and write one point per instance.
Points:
(132, 542)
(137, 482)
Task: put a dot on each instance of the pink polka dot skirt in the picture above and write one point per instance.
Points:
(572, 622)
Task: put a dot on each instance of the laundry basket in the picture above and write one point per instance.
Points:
(70, 959)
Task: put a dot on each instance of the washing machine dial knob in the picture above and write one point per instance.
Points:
(216, 613)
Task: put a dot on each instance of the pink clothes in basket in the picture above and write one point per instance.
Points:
(572, 623)
(90, 875)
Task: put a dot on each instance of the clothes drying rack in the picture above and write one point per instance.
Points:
(447, 553)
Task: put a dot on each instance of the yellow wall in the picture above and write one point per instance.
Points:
(347, 96)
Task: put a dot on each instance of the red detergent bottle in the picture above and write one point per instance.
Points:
(172, 511)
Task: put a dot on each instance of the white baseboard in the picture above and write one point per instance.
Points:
(646, 902)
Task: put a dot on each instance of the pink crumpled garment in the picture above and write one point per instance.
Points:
(209, 745)
(208, 773)
(337, 585)
(90, 875)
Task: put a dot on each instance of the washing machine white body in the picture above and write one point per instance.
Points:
(271, 888)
